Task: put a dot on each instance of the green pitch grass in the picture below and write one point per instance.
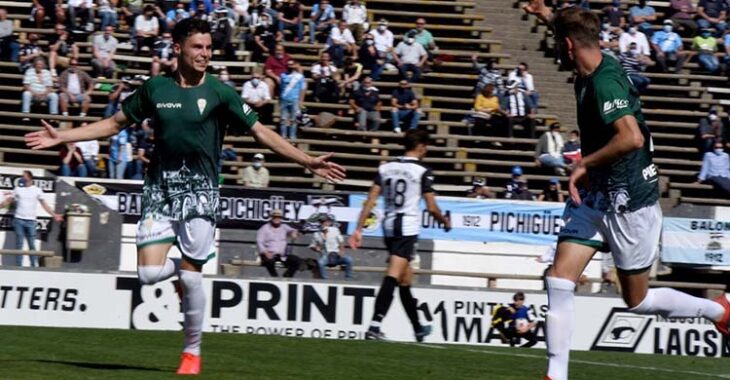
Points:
(56, 353)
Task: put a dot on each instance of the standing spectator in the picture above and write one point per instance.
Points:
(293, 87)
(25, 196)
(108, 13)
(221, 31)
(710, 130)
(351, 76)
(549, 150)
(322, 19)
(38, 87)
(366, 104)
(684, 14)
(480, 190)
(410, 57)
(119, 92)
(29, 52)
(355, 15)
(119, 154)
(716, 170)
(668, 47)
(705, 46)
(330, 245)
(571, 149)
(404, 107)
(72, 161)
(62, 49)
(634, 64)
(175, 15)
(487, 110)
(341, 43)
(642, 15)
(324, 74)
(525, 83)
(634, 36)
(90, 154)
(9, 48)
(83, 9)
(383, 39)
(518, 111)
(47, 8)
(256, 94)
(712, 13)
(104, 47)
(256, 175)
(487, 75)
(276, 65)
(75, 88)
(552, 193)
(615, 15)
(272, 241)
(290, 17)
(164, 58)
(265, 37)
(147, 28)
(424, 38)
(370, 58)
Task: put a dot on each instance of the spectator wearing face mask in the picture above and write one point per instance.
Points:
(633, 35)
(410, 58)
(716, 170)
(705, 46)
(256, 94)
(608, 39)
(710, 130)
(383, 39)
(615, 15)
(642, 15)
(265, 37)
(634, 64)
(164, 58)
(667, 46)
(712, 14)
(256, 175)
(370, 58)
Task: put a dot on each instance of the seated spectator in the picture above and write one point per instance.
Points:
(518, 111)
(634, 36)
(138, 150)
(265, 37)
(330, 245)
(275, 65)
(716, 170)
(72, 161)
(240, 11)
(341, 43)
(255, 175)
(164, 59)
(480, 190)
(108, 13)
(521, 192)
(75, 87)
(549, 150)
(47, 8)
(352, 73)
(104, 47)
(147, 28)
(322, 20)
(608, 39)
(525, 83)
(683, 17)
(62, 49)
(667, 46)
(90, 154)
(9, 48)
(293, 87)
(175, 15)
(710, 130)
(200, 8)
(130, 9)
(119, 154)
(410, 58)
(712, 14)
(726, 48)
(83, 9)
(552, 193)
(634, 64)
(256, 94)
(571, 149)
(383, 39)
(366, 104)
(615, 15)
(705, 46)
(642, 16)
(290, 18)
(221, 31)
(487, 75)
(225, 78)
(370, 58)
(38, 87)
(355, 15)
(120, 91)
(29, 52)
(487, 111)
(424, 38)
(404, 107)
(272, 240)
(513, 183)
(324, 75)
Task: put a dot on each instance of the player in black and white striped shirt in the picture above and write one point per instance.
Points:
(403, 183)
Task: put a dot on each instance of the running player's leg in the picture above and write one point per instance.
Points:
(410, 305)
(396, 266)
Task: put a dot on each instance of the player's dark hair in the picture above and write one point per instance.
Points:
(28, 173)
(581, 26)
(187, 28)
(414, 137)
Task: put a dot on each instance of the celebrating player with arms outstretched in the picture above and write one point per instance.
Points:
(618, 209)
(403, 184)
(191, 112)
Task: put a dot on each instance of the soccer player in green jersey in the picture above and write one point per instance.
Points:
(614, 193)
(191, 110)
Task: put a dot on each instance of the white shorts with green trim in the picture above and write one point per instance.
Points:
(195, 238)
(631, 237)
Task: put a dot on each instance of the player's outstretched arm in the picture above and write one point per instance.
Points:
(540, 10)
(49, 136)
(355, 240)
(434, 209)
(320, 166)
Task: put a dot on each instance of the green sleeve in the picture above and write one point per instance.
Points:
(238, 115)
(138, 106)
(612, 97)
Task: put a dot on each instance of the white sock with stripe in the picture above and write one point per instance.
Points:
(559, 325)
(194, 309)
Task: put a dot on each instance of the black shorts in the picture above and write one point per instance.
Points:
(404, 246)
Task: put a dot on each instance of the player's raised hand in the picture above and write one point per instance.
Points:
(575, 177)
(323, 167)
(355, 239)
(539, 9)
(45, 138)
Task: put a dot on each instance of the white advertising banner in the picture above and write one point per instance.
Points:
(322, 310)
(696, 241)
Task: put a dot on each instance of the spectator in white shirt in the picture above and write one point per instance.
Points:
(256, 175)
(525, 83)
(410, 57)
(38, 85)
(104, 46)
(330, 245)
(90, 153)
(355, 15)
(147, 28)
(256, 94)
(383, 39)
(84, 9)
(634, 35)
(75, 88)
(325, 74)
(9, 48)
(341, 42)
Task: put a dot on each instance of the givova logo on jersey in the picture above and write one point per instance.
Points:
(169, 105)
(614, 105)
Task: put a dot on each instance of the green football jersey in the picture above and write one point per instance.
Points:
(603, 97)
(189, 124)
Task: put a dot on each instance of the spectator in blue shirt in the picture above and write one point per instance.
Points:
(119, 154)
(521, 325)
(667, 46)
(366, 104)
(176, 15)
(642, 15)
(293, 86)
(712, 13)
(321, 20)
(716, 170)
(405, 106)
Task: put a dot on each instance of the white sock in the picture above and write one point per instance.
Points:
(194, 309)
(559, 325)
(670, 303)
(150, 274)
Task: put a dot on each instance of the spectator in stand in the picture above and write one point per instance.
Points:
(712, 14)
(256, 175)
(29, 52)
(480, 190)
(667, 46)
(520, 192)
(272, 240)
(633, 35)
(72, 161)
(256, 94)
(293, 87)
(518, 110)
(352, 73)
(716, 170)
(370, 58)
(525, 83)
(615, 15)
(512, 184)
(201, 7)
(552, 193)
(275, 65)
(290, 18)
(324, 75)
(175, 15)
(38, 87)
(138, 145)
(47, 8)
(487, 75)
(383, 38)
(240, 14)
(571, 149)
(683, 17)
(424, 38)
(83, 9)
(487, 110)
(521, 325)
(9, 48)
(119, 154)
(705, 46)
(225, 78)
(119, 92)
(147, 28)
(709, 131)
(634, 63)
(410, 58)
(62, 49)
(104, 47)
(549, 150)
(108, 13)
(330, 245)
(365, 102)
(221, 32)
(341, 43)
(75, 87)
(642, 15)
(355, 15)
(130, 10)
(608, 39)
(404, 107)
(90, 154)
(164, 58)
(322, 20)
(265, 37)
